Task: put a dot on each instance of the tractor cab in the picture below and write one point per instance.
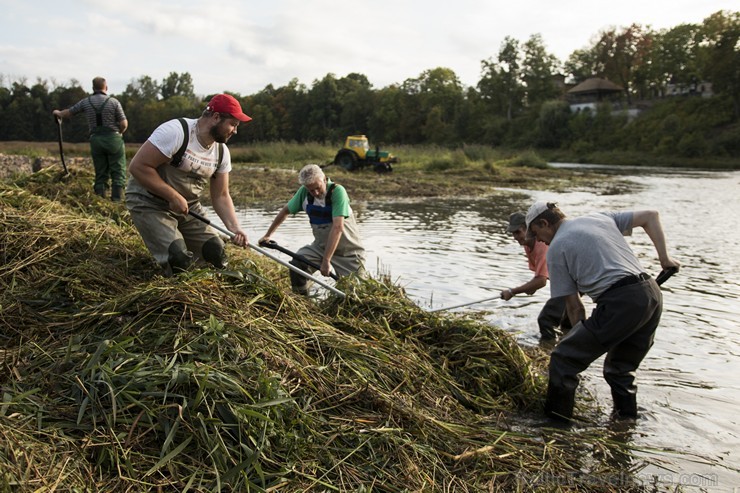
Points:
(359, 144)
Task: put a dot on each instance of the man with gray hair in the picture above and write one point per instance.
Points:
(589, 255)
(107, 123)
(336, 235)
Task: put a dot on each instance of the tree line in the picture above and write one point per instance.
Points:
(517, 102)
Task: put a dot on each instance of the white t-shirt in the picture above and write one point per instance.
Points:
(198, 163)
(197, 159)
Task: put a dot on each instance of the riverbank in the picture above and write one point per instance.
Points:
(253, 183)
(116, 378)
(626, 158)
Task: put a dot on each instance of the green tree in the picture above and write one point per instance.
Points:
(22, 113)
(144, 88)
(356, 100)
(265, 124)
(722, 37)
(501, 86)
(439, 98)
(471, 115)
(538, 70)
(552, 124)
(384, 124)
(291, 107)
(324, 109)
(583, 64)
(177, 85)
(674, 57)
(614, 56)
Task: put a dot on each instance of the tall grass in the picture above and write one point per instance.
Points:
(422, 157)
(283, 154)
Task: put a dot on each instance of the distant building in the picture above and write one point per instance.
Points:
(591, 92)
(693, 88)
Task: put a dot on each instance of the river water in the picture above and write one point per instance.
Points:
(447, 252)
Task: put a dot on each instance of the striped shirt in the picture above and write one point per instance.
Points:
(112, 112)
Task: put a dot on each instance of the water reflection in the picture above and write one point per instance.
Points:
(448, 252)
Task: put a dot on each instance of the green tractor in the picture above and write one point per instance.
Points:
(356, 154)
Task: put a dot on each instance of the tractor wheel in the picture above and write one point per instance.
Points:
(346, 160)
(383, 167)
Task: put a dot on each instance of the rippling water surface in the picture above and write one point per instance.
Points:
(454, 251)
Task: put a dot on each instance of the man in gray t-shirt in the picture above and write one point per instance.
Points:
(589, 255)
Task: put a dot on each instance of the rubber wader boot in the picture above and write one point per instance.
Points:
(214, 253)
(99, 191)
(298, 283)
(547, 333)
(625, 406)
(559, 403)
(116, 193)
(179, 257)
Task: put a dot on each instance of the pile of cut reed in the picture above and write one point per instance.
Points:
(117, 379)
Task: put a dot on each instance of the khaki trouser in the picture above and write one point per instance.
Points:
(160, 228)
(343, 266)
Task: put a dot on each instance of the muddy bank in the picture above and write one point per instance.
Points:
(254, 184)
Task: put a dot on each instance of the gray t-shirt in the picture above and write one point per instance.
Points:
(589, 253)
(111, 111)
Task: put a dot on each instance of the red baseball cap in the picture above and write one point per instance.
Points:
(226, 103)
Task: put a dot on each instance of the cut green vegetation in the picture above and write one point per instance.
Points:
(116, 379)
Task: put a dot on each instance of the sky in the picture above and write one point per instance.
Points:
(242, 46)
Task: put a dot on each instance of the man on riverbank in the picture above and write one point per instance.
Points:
(336, 235)
(168, 176)
(107, 123)
(589, 255)
(553, 313)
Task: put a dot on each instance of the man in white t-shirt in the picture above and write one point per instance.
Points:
(169, 177)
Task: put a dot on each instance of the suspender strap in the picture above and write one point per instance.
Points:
(177, 157)
(98, 111)
(327, 198)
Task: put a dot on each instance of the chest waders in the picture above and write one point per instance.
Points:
(317, 215)
(99, 148)
(212, 251)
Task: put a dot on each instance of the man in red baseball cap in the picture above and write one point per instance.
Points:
(169, 173)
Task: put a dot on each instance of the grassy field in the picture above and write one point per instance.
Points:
(267, 172)
(286, 154)
(292, 155)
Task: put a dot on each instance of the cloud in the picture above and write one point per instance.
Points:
(245, 45)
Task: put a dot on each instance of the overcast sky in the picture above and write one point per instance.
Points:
(243, 45)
